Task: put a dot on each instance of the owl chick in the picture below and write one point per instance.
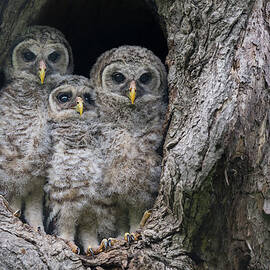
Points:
(24, 134)
(37, 53)
(75, 175)
(131, 91)
(24, 147)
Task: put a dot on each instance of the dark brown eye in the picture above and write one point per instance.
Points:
(118, 77)
(28, 56)
(145, 78)
(54, 57)
(64, 97)
(87, 97)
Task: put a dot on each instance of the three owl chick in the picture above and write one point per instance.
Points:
(98, 150)
(37, 54)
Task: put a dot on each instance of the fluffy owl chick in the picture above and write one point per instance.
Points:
(37, 53)
(24, 147)
(75, 174)
(131, 91)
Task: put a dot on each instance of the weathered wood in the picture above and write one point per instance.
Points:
(24, 248)
(212, 211)
(216, 171)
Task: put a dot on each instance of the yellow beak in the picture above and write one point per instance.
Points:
(42, 71)
(79, 106)
(132, 91)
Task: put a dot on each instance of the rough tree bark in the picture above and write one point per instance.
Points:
(14, 16)
(213, 207)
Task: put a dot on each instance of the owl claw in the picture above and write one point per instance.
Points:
(128, 237)
(75, 249)
(111, 242)
(106, 244)
(102, 247)
(39, 229)
(17, 213)
(90, 251)
(145, 217)
(131, 237)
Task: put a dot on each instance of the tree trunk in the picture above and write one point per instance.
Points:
(15, 15)
(213, 207)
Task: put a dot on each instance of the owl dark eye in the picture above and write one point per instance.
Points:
(28, 56)
(118, 77)
(87, 97)
(64, 97)
(54, 57)
(145, 77)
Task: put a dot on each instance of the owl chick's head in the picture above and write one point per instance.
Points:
(37, 53)
(130, 74)
(72, 97)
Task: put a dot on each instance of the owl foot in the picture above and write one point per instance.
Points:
(104, 246)
(107, 243)
(39, 229)
(145, 217)
(75, 249)
(90, 251)
(17, 213)
(131, 237)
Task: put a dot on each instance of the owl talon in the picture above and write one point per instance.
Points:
(39, 229)
(106, 244)
(111, 242)
(131, 237)
(17, 213)
(90, 252)
(145, 217)
(75, 249)
(128, 237)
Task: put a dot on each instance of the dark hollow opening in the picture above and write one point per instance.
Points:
(93, 27)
